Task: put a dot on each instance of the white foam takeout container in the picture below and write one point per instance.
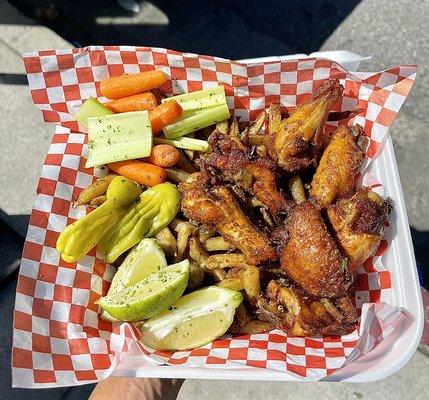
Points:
(384, 360)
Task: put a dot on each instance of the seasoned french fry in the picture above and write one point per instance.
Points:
(274, 117)
(98, 188)
(218, 274)
(297, 189)
(330, 307)
(232, 283)
(241, 318)
(176, 175)
(235, 273)
(257, 326)
(218, 243)
(233, 130)
(205, 232)
(98, 201)
(173, 224)
(225, 261)
(184, 231)
(222, 127)
(190, 154)
(167, 242)
(185, 164)
(251, 282)
(196, 275)
(258, 124)
(197, 252)
(256, 140)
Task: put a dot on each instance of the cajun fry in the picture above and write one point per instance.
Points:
(225, 261)
(98, 188)
(232, 283)
(196, 275)
(167, 242)
(274, 118)
(297, 189)
(218, 243)
(241, 318)
(204, 232)
(256, 140)
(184, 231)
(258, 124)
(176, 175)
(257, 326)
(218, 274)
(233, 130)
(235, 272)
(222, 127)
(185, 164)
(251, 281)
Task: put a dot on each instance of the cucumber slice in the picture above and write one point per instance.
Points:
(186, 143)
(200, 99)
(199, 119)
(91, 108)
(118, 137)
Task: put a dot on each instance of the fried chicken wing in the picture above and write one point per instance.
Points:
(215, 206)
(290, 139)
(359, 224)
(239, 164)
(335, 176)
(311, 257)
(288, 307)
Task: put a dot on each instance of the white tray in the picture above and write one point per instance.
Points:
(399, 260)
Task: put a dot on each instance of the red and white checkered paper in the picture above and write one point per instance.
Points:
(58, 338)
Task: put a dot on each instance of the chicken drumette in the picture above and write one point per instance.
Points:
(335, 175)
(294, 142)
(310, 256)
(288, 307)
(239, 164)
(359, 224)
(213, 204)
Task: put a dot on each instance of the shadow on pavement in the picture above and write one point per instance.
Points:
(231, 29)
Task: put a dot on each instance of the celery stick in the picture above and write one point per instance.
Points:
(118, 137)
(184, 143)
(91, 108)
(201, 99)
(200, 119)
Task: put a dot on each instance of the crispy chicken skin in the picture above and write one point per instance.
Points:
(359, 224)
(288, 307)
(289, 139)
(215, 205)
(335, 176)
(239, 164)
(311, 257)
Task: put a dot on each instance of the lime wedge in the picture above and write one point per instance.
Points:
(149, 296)
(145, 259)
(193, 321)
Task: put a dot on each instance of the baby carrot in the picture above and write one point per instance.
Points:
(137, 102)
(141, 172)
(165, 114)
(163, 155)
(128, 85)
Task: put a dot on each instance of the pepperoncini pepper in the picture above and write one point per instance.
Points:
(154, 210)
(82, 235)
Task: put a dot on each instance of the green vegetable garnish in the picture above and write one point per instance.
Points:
(154, 210)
